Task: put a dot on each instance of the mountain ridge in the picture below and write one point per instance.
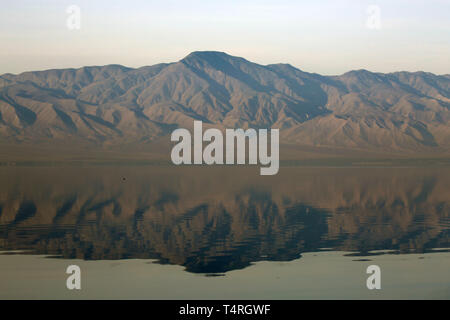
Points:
(114, 105)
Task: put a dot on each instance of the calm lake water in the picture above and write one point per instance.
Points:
(161, 232)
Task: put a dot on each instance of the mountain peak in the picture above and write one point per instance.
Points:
(358, 72)
(206, 54)
(217, 60)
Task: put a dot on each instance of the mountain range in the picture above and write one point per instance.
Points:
(113, 105)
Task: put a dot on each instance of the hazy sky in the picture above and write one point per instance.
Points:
(324, 36)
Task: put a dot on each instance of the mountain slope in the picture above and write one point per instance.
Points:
(115, 105)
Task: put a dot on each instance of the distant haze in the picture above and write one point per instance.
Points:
(328, 37)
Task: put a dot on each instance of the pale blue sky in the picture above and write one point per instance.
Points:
(327, 37)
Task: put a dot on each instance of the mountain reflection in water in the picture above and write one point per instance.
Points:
(217, 219)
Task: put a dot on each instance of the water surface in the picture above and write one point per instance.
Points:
(210, 226)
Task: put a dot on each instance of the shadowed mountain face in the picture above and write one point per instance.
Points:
(185, 217)
(115, 105)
